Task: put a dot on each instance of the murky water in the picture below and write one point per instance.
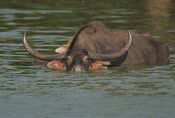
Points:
(30, 90)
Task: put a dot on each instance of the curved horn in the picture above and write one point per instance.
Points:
(39, 55)
(107, 57)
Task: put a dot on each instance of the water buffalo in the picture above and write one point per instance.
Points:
(95, 45)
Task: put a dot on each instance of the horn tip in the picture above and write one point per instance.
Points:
(25, 32)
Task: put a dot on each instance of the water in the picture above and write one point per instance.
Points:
(30, 90)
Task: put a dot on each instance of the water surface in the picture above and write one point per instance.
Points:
(29, 89)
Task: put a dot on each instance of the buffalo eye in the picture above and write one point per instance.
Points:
(86, 59)
(68, 59)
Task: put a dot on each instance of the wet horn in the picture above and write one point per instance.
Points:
(39, 55)
(107, 57)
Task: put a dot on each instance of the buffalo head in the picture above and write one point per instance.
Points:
(77, 59)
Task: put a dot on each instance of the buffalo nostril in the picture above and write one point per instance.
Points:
(78, 68)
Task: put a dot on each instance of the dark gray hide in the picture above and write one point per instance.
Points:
(98, 38)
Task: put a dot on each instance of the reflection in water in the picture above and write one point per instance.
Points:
(125, 81)
(28, 89)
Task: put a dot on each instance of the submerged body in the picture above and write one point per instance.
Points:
(95, 45)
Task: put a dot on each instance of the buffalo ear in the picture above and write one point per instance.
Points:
(104, 63)
(56, 65)
(99, 65)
